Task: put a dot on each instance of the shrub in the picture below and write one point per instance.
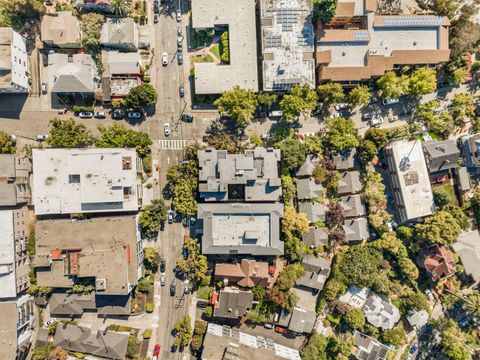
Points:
(79, 355)
(143, 286)
(225, 47)
(77, 109)
(147, 333)
(208, 312)
(150, 307)
(146, 79)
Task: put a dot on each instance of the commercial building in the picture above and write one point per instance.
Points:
(357, 45)
(252, 176)
(239, 17)
(61, 30)
(13, 62)
(16, 327)
(14, 259)
(67, 181)
(241, 228)
(14, 180)
(409, 180)
(120, 33)
(104, 251)
(287, 44)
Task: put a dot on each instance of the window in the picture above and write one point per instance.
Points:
(74, 179)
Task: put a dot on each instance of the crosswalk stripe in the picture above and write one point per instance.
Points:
(172, 144)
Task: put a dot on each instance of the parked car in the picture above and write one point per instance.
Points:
(42, 137)
(180, 58)
(155, 18)
(170, 217)
(342, 106)
(173, 288)
(162, 266)
(335, 115)
(100, 114)
(166, 129)
(316, 112)
(392, 118)
(414, 348)
(134, 115)
(156, 8)
(281, 329)
(50, 322)
(367, 116)
(85, 114)
(179, 41)
(117, 114)
(268, 325)
(202, 304)
(144, 46)
(187, 118)
(389, 101)
(275, 114)
(192, 220)
(156, 352)
(44, 88)
(45, 59)
(179, 30)
(376, 121)
(164, 59)
(162, 279)
(179, 15)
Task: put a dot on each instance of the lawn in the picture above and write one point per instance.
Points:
(215, 50)
(203, 292)
(446, 189)
(201, 58)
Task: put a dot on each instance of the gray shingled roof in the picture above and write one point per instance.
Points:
(369, 348)
(356, 230)
(352, 206)
(346, 159)
(349, 183)
(467, 248)
(302, 321)
(308, 166)
(315, 237)
(233, 303)
(314, 211)
(317, 271)
(308, 189)
(119, 31)
(441, 155)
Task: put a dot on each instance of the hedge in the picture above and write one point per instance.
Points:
(225, 49)
(77, 109)
(149, 308)
(147, 333)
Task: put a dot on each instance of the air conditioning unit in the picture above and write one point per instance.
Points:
(373, 52)
(100, 284)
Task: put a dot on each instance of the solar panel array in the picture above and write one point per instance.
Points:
(413, 21)
(287, 18)
(361, 36)
(273, 41)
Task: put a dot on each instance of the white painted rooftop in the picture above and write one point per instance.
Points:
(8, 286)
(241, 229)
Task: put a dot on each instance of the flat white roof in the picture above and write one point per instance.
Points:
(69, 181)
(412, 174)
(241, 229)
(239, 15)
(8, 287)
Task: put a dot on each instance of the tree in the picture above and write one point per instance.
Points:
(464, 33)
(7, 145)
(377, 136)
(441, 7)
(324, 10)
(255, 139)
(15, 13)
(298, 100)
(332, 347)
(392, 86)
(119, 136)
(441, 228)
(281, 293)
(92, 24)
(442, 197)
(121, 7)
(183, 199)
(473, 303)
(359, 96)
(330, 94)
(141, 96)
(313, 143)
(396, 336)
(458, 76)
(58, 354)
(453, 339)
(335, 214)
(195, 266)
(293, 222)
(459, 215)
(341, 134)
(183, 331)
(422, 81)
(266, 99)
(288, 189)
(151, 258)
(152, 216)
(441, 124)
(355, 318)
(69, 134)
(239, 104)
(225, 142)
(462, 107)
(294, 154)
(368, 151)
(316, 347)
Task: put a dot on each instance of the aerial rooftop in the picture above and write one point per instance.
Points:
(239, 16)
(14, 180)
(287, 44)
(8, 286)
(13, 60)
(69, 181)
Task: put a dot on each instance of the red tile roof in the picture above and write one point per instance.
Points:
(248, 273)
(440, 263)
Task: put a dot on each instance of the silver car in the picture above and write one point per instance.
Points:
(162, 279)
(166, 129)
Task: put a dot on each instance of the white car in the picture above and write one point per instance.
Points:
(341, 107)
(389, 101)
(179, 15)
(166, 129)
(164, 59)
(42, 137)
(162, 279)
(376, 121)
(335, 115)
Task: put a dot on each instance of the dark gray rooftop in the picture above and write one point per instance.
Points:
(233, 303)
(441, 155)
(317, 271)
(349, 183)
(311, 162)
(369, 348)
(352, 206)
(315, 237)
(314, 211)
(356, 230)
(308, 189)
(346, 159)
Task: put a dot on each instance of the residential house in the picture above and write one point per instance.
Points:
(471, 152)
(247, 273)
(380, 313)
(346, 159)
(104, 343)
(441, 156)
(307, 168)
(16, 327)
(356, 230)
(14, 68)
(232, 303)
(287, 44)
(120, 33)
(417, 319)
(68, 305)
(121, 73)
(241, 228)
(252, 176)
(315, 237)
(14, 180)
(353, 206)
(93, 5)
(349, 183)
(315, 211)
(462, 179)
(308, 189)
(66, 254)
(238, 18)
(467, 248)
(368, 348)
(61, 29)
(299, 320)
(92, 180)
(358, 45)
(439, 262)
(355, 297)
(14, 259)
(74, 76)
(317, 271)
(409, 180)
(223, 341)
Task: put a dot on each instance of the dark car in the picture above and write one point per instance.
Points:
(187, 118)
(202, 304)
(144, 46)
(173, 288)
(45, 59)
(117, 114)
(156, 8)
(180, 58)
(181, 91)
(162, 266)
(367, 116)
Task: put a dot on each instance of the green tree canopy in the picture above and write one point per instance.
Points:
(458, 75)
(293, 222)
(151, 258)
(422, 81)
(355, 318)
(441, 7)
(121, 7)
(324, 10)
(152, 216)
(359, 96)
(396, 336)
(391, 85)
(118, 135)
(141, 96)
(266, 98)
(464, 33)
(441, 228)
(453, 340)
(377, 136)
(92, 24)
(15, 13)
(473, 303)
(183, 331)
(298, 100)
(183, 199)
(330, 94)
(294, 154)
(462, 108)
(332, 347)
(288, 189)
(69, 134)
(7, 145)
(341, 134)
(195, 267)
(239, 104)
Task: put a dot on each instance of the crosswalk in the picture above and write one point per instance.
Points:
(172, 144)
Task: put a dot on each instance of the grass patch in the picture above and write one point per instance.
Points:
(204, 292)
(447, 191)
(215, 50)
(201, 58)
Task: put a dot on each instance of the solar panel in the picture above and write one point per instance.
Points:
(413, 21)
(273, 41)
(361, 36)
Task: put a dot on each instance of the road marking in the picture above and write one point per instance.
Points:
(155, 326)
(172, 144)
(168, 160)
(156, 296)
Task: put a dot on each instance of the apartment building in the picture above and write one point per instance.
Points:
(13, 62)
(358, 45)
(14, 180)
